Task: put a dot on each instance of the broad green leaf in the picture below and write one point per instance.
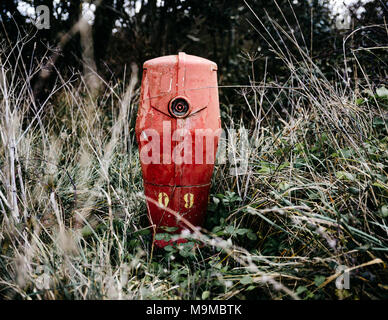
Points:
(246, 280)
(251, 236)
(384, 211)
(205, 295)
(300, 290)
(318, 280)
(343, 175)
(382, 92)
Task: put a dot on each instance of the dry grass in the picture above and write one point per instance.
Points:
(73, 216)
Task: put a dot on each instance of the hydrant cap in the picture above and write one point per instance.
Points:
(188, 77)
(173, 59)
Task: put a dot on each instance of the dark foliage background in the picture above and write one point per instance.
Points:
(225, 31)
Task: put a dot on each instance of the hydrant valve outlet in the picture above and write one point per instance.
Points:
(179, 107)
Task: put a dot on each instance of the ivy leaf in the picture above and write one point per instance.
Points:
(159, 236)
(169, 248)
(318, 280)
(251, 236)
(229, 230)
(300, 290)
(143, 232)
(246, 280)
(382, 92)
(343, 175)
(384, 211)
(242, 231)
(205, 295)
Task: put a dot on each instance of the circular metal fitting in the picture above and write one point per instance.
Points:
(179, 107)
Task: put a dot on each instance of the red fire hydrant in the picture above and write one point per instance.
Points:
(177, 130)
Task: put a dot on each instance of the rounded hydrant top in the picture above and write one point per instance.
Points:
(179, 85)
(180, 58)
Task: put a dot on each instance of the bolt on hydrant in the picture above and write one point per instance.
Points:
(177, 130)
